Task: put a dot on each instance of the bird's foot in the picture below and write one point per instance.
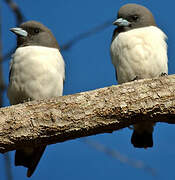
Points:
(136, 78)
(164, 74)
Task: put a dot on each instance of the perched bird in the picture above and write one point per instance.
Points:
(138, 51)
(37, 71)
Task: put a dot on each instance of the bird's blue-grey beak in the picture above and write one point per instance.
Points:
(19, 31)
(121, 22)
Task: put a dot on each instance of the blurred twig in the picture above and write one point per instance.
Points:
(8, 166)
(2, 88)
(2, 85)
(84, 35)
(17, 12)
(120, 157)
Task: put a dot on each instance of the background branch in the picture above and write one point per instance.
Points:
(8, 170)
(2, 85)
(120, 157)
(86, 34)
(16, 10)
(103, 110)
(2, 88)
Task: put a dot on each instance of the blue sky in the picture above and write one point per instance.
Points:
(88, 67)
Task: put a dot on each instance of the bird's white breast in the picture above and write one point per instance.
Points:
(140, 52)
(36, 72)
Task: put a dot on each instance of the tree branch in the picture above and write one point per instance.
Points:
(103, 110)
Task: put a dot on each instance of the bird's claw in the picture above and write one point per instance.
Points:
(136, 78)
(164, 74)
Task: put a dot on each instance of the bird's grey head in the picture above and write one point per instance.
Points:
(32, 33)
(131, 16)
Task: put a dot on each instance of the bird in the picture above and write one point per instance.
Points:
(37, 71)
(138, 51)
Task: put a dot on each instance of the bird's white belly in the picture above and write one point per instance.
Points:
(139, 53)
(36, 74)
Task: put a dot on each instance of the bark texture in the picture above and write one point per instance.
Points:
(88, 113)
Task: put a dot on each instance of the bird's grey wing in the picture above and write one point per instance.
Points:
(116, 76)
(11, 64)
(115, 33)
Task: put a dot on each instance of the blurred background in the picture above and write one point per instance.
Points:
(84, 30)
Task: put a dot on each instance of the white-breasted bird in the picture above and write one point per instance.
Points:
(138, 51)
(37, 71)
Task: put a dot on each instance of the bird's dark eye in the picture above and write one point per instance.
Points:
(36, 30)
(135, 18)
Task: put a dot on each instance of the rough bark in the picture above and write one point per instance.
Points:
(99, 111)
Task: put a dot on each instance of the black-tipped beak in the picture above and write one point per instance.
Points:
(121, 22)
(19, 31)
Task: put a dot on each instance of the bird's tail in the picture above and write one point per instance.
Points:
(29, 158)
(142, 136)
